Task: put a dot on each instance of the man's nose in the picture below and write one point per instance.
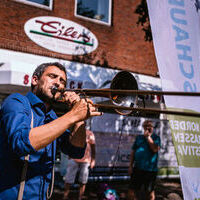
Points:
(58, 83)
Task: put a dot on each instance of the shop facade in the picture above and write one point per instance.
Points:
(94, 42)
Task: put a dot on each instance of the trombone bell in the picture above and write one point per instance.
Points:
(124, 81)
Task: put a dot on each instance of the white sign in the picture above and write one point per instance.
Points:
(61, 35)
(175, 27)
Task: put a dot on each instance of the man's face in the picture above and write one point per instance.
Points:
(52, 77)
(148, 127)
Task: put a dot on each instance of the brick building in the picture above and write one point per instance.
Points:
(121, 44)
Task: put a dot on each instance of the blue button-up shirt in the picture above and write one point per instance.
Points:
(15, 125)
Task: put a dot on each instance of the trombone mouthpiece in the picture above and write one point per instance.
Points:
(54, 89)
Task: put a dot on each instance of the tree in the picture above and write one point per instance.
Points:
(143, 19)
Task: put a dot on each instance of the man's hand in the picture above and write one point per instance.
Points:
(81, 108)
(147, 133)
(71, 98)
(84, 109)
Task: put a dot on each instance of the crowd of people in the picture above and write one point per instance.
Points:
(30, 131)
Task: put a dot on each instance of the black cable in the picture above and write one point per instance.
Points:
(118, 147)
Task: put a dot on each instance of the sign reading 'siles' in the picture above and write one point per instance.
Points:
(60, 35)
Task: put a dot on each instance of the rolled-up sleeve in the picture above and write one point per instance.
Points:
(15, 124)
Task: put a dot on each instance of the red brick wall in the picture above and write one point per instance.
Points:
(121, 45)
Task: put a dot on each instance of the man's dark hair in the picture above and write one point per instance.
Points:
(147, 123)
(41, 68)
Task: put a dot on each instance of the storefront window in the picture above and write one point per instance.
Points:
(98, 11)
(47, 4)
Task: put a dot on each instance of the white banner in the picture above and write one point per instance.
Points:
(175, 27)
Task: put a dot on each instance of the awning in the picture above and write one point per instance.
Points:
(16, 69)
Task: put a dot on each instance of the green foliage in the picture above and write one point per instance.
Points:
(143, 19)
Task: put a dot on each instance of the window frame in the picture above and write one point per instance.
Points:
(50, 7)
(95, 20)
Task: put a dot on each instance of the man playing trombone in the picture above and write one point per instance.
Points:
(29, 129)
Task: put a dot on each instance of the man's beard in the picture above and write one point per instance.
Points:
(44, 96)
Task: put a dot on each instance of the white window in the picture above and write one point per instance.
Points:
(46, 4)
(98, 11)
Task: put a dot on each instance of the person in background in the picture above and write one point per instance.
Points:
(82, 166)
(143, 164)
(29, 126)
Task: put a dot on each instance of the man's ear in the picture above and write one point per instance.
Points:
(34, 80)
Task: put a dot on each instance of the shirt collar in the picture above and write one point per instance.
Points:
(36, 101)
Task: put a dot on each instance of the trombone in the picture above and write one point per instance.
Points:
(124, 95)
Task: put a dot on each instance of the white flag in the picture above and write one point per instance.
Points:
(175, 27)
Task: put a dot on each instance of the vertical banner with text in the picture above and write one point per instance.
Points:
(175, 28)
